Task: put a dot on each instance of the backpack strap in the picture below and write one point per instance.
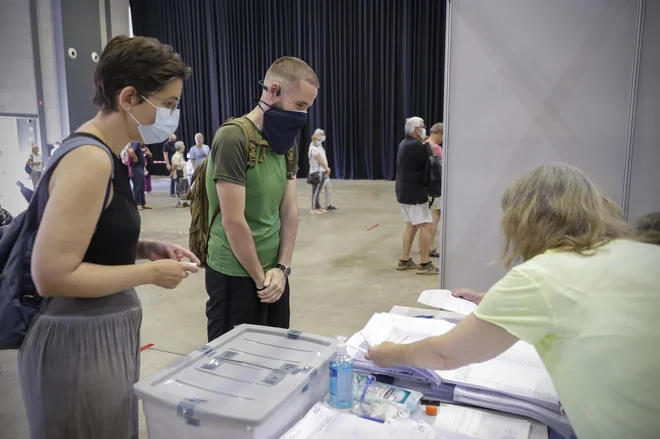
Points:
(40, 197)
(216, 212)
(251, 142)
(290, 156)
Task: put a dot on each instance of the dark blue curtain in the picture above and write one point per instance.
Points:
(378, 62)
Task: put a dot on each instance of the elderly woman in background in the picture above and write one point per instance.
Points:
(319, 173)
(36, 162)
(180, 173)
(587, 297)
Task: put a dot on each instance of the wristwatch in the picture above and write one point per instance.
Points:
(285, 269)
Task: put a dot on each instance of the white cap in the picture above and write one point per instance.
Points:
(341, 344)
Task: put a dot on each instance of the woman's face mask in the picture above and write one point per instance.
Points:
(166, 123)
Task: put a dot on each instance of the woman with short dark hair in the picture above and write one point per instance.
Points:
(80, 358)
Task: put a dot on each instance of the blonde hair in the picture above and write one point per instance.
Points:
(558, 207)
(291, 70)
(614, 208)
(317, 133)
(438, 128)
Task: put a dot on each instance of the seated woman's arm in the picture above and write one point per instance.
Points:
(513, 309)
(471, 341)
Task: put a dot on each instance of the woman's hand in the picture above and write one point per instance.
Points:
(156, 251)
(386, 354)
(468, 294)
(168, 273)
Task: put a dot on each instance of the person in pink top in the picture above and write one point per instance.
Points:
(435, 140)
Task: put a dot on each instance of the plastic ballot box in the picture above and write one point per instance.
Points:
(253, 382)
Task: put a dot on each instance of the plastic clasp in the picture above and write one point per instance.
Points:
(206, 350)
(292, 334)
(186, 409)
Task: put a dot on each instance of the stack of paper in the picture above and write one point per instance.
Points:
(321, 422)
(517, 377)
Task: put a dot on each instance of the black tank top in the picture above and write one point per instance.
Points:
(115, 240)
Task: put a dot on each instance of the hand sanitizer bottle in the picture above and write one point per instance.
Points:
(341, 378)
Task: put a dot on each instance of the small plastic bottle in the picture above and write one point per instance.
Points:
(341, 378)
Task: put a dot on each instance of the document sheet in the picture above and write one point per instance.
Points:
(443, 299)
(321, 422)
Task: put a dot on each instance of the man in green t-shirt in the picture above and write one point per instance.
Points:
(252, 239)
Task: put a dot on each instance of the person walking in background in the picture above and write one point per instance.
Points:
(435, 140)
(36, 162)
(180, 174)
(199, 152)
(168, 152)
(56, 145)
(319, 174)
(412, 194)
(137, 174)
(147, 175)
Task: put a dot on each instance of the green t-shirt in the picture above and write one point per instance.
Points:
(265, 185)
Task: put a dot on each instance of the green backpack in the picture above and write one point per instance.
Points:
(200, 227)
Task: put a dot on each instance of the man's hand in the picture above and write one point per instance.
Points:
(273, 286)
(169, 168)
(468, 294)
(155, 251)
(327, 172)
(385, 355)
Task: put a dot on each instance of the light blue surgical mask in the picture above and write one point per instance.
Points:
(322, 139)
(166, 123)
(423, 133)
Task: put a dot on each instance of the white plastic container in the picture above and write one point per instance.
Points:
(254, 382)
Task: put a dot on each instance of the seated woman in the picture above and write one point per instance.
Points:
(587, 297)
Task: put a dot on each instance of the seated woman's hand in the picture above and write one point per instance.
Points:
(385, 355)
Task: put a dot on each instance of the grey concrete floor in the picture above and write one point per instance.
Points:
(343, 272)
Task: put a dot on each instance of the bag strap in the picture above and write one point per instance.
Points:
(40, 198)
(216, 212)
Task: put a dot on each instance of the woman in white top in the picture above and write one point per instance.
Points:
(36, 162)
(319, 173)
(180, 173)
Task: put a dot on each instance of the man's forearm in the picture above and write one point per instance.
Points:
(167, 159)
(288, 233)
(242, 245)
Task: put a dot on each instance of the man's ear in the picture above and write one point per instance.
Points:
(275, 89)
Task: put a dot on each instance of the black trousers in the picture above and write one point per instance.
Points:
(233, 301)
(138, 185)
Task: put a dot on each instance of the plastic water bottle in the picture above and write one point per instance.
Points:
(341, 377)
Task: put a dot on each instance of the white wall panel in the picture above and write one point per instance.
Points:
(529, 82)
(645, 171)
(17, 85)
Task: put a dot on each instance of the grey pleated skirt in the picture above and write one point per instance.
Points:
(77, 368)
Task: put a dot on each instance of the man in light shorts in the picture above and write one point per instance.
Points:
(412, 194)
(435, 140)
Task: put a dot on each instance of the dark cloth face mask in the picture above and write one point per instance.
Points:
(281, 127)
